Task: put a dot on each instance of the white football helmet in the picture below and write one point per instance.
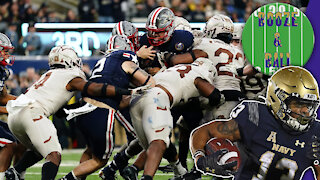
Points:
(64, 56)
(118, 42)
(160, 26)
(125, 28)
(237, 33)
(181, 23)
(218, 24)
(5, 46)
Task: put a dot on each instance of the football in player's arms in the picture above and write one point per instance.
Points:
(277, 134)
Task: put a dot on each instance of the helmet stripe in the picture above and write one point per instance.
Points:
(120, 28)
(111, 42)
(154, 16)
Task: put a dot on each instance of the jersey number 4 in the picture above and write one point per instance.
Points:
(42, 81)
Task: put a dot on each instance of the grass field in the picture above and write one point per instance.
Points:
(70, 159)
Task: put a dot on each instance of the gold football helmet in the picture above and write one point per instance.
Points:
(291, 89)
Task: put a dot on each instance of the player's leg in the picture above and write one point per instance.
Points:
(97, 126)
(43, 136)
(157, 124)
(120, 160)
(131, 172)
(172, 157)
(86, 155)
(28, 159)
(6, 154)
(7, 148)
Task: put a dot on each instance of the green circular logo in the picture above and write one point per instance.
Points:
(277, 35)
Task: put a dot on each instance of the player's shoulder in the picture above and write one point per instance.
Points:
(67, 73)
(182, 39)
(314, 129)
(122, 54)
(250, 109)
(182, 36)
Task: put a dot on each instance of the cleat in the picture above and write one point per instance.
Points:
(129, 173)
(12, 174)
(192, 175)
(107, 173)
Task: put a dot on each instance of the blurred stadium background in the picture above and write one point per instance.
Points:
(35, 26)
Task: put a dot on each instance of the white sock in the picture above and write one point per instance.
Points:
(178, 169)
(22, 175)
(1, 175)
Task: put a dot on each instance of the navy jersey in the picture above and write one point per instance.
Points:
(5, 134)
(273, 153)
(109, 70)
(180, 42)
(4, 74)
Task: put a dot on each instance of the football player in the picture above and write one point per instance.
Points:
(277, 134)
(125, 28)
(7, 140)
(120, 160)
(28, 114)
(119, 67)
(163, 38)
(151, 114)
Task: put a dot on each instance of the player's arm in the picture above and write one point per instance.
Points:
(317, 170)
(95, 89)
(139, 76)
(185, 58)
(208, 90)
(5, 97)
(3, 110)
(226, 129)
(248, 70)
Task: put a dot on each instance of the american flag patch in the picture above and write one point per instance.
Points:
(127, 55)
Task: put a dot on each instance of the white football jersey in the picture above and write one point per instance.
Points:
(179, 79)
(227, 60)
(50, 90)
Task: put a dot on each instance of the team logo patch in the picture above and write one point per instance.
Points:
(179, 46)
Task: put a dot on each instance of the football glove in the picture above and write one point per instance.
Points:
(210, 165)
(140, 90)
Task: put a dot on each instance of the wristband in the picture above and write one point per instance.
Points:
(120, 91)
(198, 153)
(104, 90)
(85, 88)
(193, 56)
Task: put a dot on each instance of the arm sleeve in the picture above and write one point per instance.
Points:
(247, 128)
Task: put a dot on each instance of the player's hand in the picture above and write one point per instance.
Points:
(146, 52)
(222, 100)
(164, 58)
(314, 152)
(210, 164)
(140, 90)
(61, 112)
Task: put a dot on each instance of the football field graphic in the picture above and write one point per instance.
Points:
(277, 35)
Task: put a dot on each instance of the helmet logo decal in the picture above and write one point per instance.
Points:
(179, 46)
